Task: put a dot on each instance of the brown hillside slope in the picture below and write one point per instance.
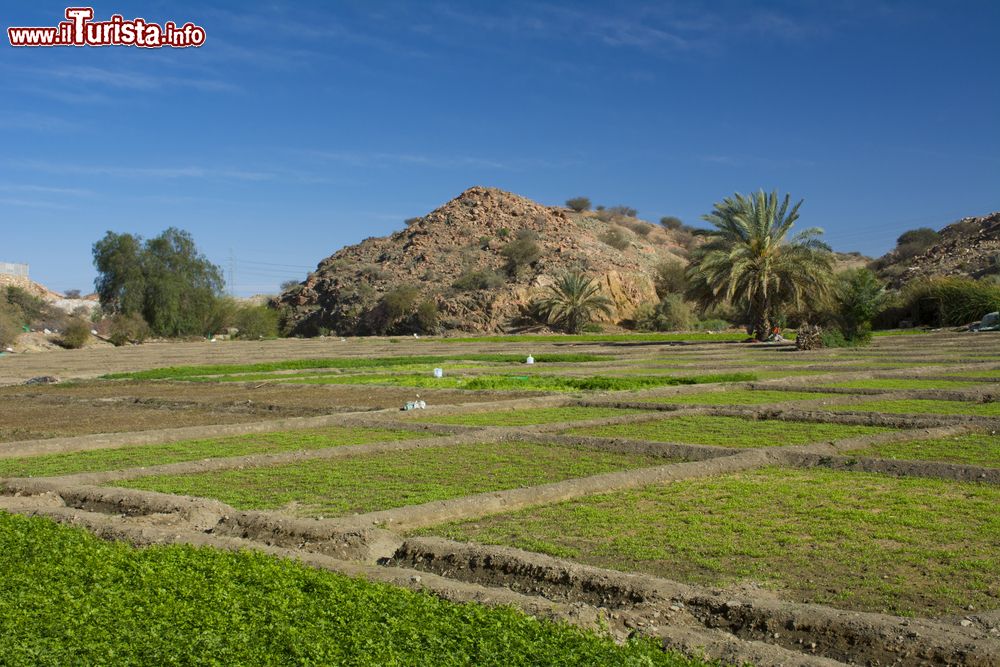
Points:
(969, 247)
(466, 235)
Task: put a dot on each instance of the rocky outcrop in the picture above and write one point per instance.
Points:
(467, 237)
(968, 248)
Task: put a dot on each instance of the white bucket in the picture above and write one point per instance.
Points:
(438, 373)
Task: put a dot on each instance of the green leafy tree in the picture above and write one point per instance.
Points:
(860, 296)
(750, 260)
(166, 280)
(572, 301)
(579, 204)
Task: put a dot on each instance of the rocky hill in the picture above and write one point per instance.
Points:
(969, 247)
(458, 258)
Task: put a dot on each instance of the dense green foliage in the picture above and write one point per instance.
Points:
(672, 313)
(950, 301)
(860, 295)
(255, 322)
(579, 204)
(855, 540)
(749, 259)
(572, 301)
(165, 279)
(368, 483)
(68, 598)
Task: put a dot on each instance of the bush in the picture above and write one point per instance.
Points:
(128, 329)
(75, 335)
(522, 252)
(256, 322)
(72, 294)
(860, 296)
(671, 222)
(669, 278)
(427, 317)
(372, 271)
(579, 204)
(478, 279)
(409, 222)
(922, 237)
(672, 313)
(623, 211)
(10, 325)
(835, 338)
(638, 227)
(616, 237)
(951, 301)
(30, 306)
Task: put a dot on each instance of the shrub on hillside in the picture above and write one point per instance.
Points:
(616, 237)
(75, 335)
(522, 252)
(128, 329)
(916, 242)
(671, 222)
(30, 306)
(638, 227)
(427, 317)
(10, 325)
(623, 211)
(256, 322)
(672, 313)
(670, 278)
(579, 204)
(478, 279)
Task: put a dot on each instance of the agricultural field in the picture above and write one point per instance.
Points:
(653, 500)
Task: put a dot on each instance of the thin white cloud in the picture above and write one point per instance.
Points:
(192, 171)
(33, 203)
(46, 190)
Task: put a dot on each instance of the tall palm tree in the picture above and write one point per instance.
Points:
(749, 259)
(572, 301)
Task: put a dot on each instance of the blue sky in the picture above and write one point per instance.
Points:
(297, 130)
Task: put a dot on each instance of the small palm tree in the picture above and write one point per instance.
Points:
(572, 301)
(750, 261)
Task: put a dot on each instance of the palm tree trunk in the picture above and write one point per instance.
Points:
(761, 321)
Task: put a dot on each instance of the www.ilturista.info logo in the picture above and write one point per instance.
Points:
(81, 30)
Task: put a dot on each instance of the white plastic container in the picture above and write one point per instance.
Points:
(438, 372)
(530, 360)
